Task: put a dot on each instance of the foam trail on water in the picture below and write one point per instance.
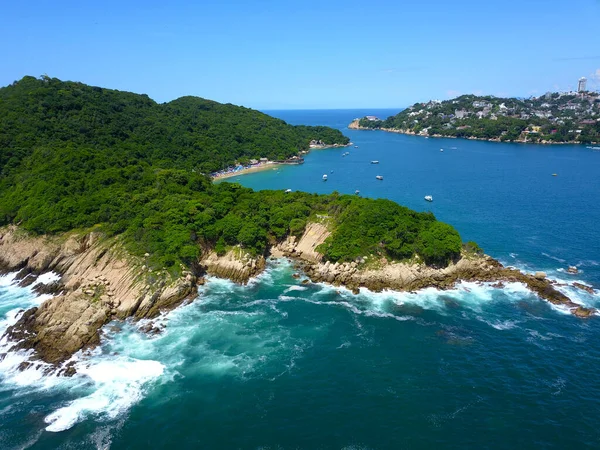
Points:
(117, 385)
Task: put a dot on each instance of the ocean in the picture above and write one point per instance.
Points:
(282, 365)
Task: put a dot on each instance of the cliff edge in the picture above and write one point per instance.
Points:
(99, 281)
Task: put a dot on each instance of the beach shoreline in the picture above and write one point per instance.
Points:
(274, 164)
(247, 170)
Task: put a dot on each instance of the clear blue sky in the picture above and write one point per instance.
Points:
(279, 54)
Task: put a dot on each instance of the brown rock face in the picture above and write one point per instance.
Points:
(99, 282)
(235, 265)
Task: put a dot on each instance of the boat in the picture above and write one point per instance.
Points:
(332, 171)
(356, 146)
(375, 162)
(379, 177)
(554, 174)
(441, 149)
(429, 198)
(287, 191)
(324, 177)
(356, 192)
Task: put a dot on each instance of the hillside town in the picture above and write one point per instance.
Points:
(555, 117)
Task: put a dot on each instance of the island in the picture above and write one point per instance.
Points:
(554, 118)
(111, 191)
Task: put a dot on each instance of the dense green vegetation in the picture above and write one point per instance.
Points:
(551, 118)
(382, 227)
(188, 133)
(76, 157)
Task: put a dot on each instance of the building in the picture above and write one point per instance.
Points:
(581, 84)
(372, 118)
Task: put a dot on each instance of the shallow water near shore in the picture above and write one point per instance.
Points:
(279, 364)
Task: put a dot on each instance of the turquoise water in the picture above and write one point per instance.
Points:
(278, 365)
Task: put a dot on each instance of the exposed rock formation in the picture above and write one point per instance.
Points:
(381, 274)
(411, 277)
(354, 125)
(314, 235)
(99, 282)
(235, 265)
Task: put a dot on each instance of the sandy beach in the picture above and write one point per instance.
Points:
(257, 168)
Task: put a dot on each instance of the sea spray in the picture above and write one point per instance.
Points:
(263, 333)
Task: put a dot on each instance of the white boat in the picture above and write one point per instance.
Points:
(379, 177)
(357, 192)
(375, 162)
(441, 149)
(429, 198)
(356, 146)
(287, 191)
(324, 177)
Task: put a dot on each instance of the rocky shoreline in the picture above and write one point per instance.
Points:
(100, 282)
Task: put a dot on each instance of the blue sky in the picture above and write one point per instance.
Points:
(282, 54)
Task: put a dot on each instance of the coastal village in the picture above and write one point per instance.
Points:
(557, 117)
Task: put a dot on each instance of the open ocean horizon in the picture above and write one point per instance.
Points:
(281, 365)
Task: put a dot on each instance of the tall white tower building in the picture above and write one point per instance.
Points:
(581, 84)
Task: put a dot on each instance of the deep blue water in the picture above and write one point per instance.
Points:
(280, 365)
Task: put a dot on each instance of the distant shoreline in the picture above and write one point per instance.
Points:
(354, 126)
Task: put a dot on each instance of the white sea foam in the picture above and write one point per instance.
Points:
(296, 288)
(555, 258)
(117, 385)
(48, 277)
(8, 279)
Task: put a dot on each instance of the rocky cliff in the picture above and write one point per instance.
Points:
(99, 281)
(235, 265)
(304, 248)
(377, 275)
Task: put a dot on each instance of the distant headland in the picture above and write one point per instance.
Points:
(554, 118)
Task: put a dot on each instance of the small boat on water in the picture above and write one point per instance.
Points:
(554, 174)
(356, 146)
(379, 177)
(332, 171)
(324, 177)
(356, 192)
(287, 191)
(375, 162)
(441, 149)
(429, 198)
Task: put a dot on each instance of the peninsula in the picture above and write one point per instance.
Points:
(111, 191)
(554, 118)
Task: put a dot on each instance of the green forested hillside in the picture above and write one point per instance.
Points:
(187, 133)
(76, 157)
(553, 117)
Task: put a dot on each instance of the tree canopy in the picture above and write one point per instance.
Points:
(79, 157)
